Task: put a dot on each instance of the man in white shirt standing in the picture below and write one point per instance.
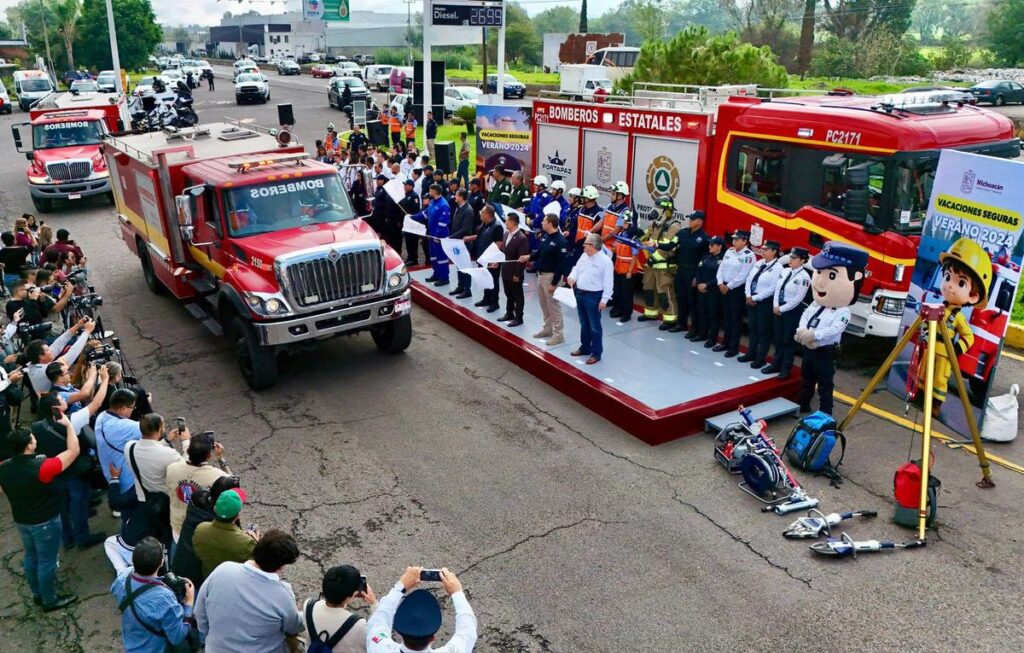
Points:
(592, 279)
(152, 454)
(416, 616)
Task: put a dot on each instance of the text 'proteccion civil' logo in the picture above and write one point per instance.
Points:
(662, 178)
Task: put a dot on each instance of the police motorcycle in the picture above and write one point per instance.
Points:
(163, 108)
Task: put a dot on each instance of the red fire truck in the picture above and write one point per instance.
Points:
(64, 149)
(800, 170)
(261, 242)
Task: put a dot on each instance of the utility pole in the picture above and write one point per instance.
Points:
(115, 57)
(485, 60)
(46, 40)
(408, 27)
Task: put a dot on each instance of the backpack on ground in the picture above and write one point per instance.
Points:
(321, 642)
(812, 441)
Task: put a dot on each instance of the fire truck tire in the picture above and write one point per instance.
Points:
(42, 204)
(393, 337)
(258, 363)
(152, 282)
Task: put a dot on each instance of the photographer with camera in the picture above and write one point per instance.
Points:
(118, 381)
(38, 354)
(156, 611)
(416, 616)
(53, 298)
(223, 540)
(185, 478)
(59, 375)
(328, 620)
(23, 307)
(65, 244)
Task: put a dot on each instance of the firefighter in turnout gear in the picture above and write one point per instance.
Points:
(585, 220)
(660, 271)
(966, 275)
(709, 299)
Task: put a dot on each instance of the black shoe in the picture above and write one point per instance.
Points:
(493, 309)
(720, 348)
(505, 318)
(665, 326)
(455, 292)
(464, 295)
(646, 318)
(430, 279)
(708, 344)
(757, 364)
(625, 318)
(62, 601)
(613, 313)
(730, 354)
(696, 337)
(441, 282)
(676, 328)
(783, 375)
(91, 540)
(516, 322)
(770, 369)
(805, 409)
(481, 303)
(745, 358)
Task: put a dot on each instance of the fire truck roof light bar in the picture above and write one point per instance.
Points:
(243, 166)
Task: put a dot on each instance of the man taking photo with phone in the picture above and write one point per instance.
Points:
(416, 617)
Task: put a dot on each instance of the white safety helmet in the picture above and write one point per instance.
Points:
(540, 180)
(558, 184)
(590, 193)
(575, 192)
(620, 187)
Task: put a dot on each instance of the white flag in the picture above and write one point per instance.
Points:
(553, 208)
(481, 277)
(491, 255)
(566, 296)
(410, 226)
(396, 189)
(457, 251)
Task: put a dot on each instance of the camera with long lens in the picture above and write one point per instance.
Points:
(87, 301)
(176, 583)
(34, 331)
(101, 355)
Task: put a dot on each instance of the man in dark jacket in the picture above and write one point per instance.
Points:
(378, 217)
(489, 231)
(515, 245)
(463, 219)
(709, 300)
(410, 205)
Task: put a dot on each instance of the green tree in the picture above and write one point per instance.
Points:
(1006, 31)
(583, 17)
(767, 22)
(695, 56)
(35, 14)
(708, 13)
(522, 43)
(137, 33)
(556, 20)
(6, 33)
(66, 14)
(650, 19)
(856, 20)
(955, 53)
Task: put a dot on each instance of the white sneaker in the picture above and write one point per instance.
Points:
(557, 340)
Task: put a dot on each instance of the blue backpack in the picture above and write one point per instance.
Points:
(810, 445)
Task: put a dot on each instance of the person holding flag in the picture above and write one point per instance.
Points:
(437, 217)
(568, 223)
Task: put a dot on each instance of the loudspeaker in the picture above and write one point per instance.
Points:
(444, 152)
(285, 115)
(377, 133)
(437, 77)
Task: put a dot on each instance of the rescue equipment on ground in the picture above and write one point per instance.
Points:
(817, 523)
(812, 441)
(846, 547)
(907, 491)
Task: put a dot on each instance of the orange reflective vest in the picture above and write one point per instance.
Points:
(608, 226)
(410, 130)
(623, 258)
(396, 125)
(584, 223)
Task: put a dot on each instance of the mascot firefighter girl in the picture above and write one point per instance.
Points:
(838, 276)
(966, 275)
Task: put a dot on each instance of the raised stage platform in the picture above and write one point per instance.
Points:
(658, 386)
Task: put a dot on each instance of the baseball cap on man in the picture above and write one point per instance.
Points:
(228, 505)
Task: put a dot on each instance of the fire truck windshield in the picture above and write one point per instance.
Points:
(275, 206)
(63, 134)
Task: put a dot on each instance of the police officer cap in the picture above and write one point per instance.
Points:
(696, 215)
(716, 240)
(439, 172)
(834, 255)
(418, 615)
(800, 253)
(381, 177)
(772, 244)
(409, 182)
(741, 233)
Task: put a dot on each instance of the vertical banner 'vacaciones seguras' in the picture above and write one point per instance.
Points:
(503, 138)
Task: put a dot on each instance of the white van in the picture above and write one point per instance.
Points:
(31, 86)
(377, 76)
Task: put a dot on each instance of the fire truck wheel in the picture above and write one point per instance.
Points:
(258, 363)
(42, 204)
(152, 282)
(393, 337)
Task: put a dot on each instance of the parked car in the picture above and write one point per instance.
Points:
(252, 87)
(5, 101)
(512, 86)
(288, 67)
(322, 70)
(172, 76)
(145, 84)
(205, 66)
(84, 86)
(347, 69)
(355, 85)
(456, 97)
(331, 58)
(400, 102)
(364, 59)
(998, 92)
(377, 77)
(400, 80)
(74, 75)
(107, 81)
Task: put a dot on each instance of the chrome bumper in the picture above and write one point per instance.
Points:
(66, 189)
(342, 320)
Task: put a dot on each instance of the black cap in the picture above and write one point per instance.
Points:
(772, 244)
(800, 252)
(409, 182)
(439, 172)
(834, 255)
(499, 168)
(716, 240)
(696, 215)
(381, 177)
(741, 233)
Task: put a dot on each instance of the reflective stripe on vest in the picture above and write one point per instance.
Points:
(584, 223)
(608, 225)
(623, 258)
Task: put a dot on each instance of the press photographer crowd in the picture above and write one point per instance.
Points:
(79, 435)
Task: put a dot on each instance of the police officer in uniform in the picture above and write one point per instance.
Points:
(732, 277)
(660, 270)
(709, 299)
(691, 245)
(787, 306)
(477, 199)
(759, 290)
(378, 218)
(411, 206)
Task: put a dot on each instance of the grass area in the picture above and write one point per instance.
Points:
(447, 132)
(860, 86)
(1018, 311)
(526, 76)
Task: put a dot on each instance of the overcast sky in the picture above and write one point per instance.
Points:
(208, 12)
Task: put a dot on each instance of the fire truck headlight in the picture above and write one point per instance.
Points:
(266, 304)
(398, 278)
(273, 305)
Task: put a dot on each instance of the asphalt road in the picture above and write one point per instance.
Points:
(569, 534)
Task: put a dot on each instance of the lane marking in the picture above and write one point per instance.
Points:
(1012, 355)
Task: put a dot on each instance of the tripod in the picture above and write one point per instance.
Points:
(934, 315)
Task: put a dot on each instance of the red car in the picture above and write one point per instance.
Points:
(322, 70)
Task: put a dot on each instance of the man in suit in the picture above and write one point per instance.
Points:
(463, 220)
(488, 231)
(516, 244)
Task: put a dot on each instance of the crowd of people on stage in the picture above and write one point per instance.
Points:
(77, 431)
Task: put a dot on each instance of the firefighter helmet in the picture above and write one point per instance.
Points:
(540, 180)
(620, 187)
(972, 256)
(590, 193)
(575, 192)
(558, 184)
(666, 204)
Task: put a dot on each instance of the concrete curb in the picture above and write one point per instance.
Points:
(1015, 336)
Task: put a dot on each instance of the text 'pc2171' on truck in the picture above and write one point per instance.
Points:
(797, 169)
(260, 241)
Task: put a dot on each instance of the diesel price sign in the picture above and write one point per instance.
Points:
(472, 14)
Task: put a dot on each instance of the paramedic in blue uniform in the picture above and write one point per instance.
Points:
(732, 278)
(558, 195)
(838, 276)
(787, 306)
(437, 218)
(759, 290)
(535, 208)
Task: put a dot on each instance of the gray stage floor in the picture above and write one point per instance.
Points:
(656, 368)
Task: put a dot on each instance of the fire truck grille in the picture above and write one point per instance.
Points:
(69, 170)
(333, 278)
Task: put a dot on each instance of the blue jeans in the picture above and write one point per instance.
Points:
(42, 544)
(463, 174)
(587, 303)
(74, 515)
